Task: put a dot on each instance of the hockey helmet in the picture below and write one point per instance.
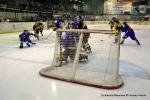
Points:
(124, 23)
(25, 29)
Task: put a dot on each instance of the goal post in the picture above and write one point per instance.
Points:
(89, 60)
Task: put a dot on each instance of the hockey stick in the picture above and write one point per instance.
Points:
(48, 35)
(43, 39)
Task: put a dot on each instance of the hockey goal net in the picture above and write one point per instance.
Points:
(89, 60)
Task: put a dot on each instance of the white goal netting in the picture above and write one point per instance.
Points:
(89, 57)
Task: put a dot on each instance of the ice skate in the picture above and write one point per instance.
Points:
(21, 45)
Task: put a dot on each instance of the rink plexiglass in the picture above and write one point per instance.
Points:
(100, 68)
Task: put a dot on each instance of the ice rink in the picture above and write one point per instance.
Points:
(20, 79)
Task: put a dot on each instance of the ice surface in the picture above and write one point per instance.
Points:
(20, 79)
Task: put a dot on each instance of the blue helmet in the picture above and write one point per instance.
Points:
(124, 23)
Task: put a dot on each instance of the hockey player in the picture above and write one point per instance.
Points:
(80, 22)
(58, 25)
(85, 43)
(129, 32)
(38, 27)
(116, 26)
(25, 38)
(75, 23)
(69, 46)
(69, 23)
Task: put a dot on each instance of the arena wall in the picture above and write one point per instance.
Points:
(11, 27)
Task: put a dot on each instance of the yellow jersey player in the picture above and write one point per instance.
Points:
(116, 26)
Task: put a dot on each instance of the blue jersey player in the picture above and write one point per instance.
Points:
(57, 23)
(69, 46)
(129, 32)
(25, 38)
(75, 24)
